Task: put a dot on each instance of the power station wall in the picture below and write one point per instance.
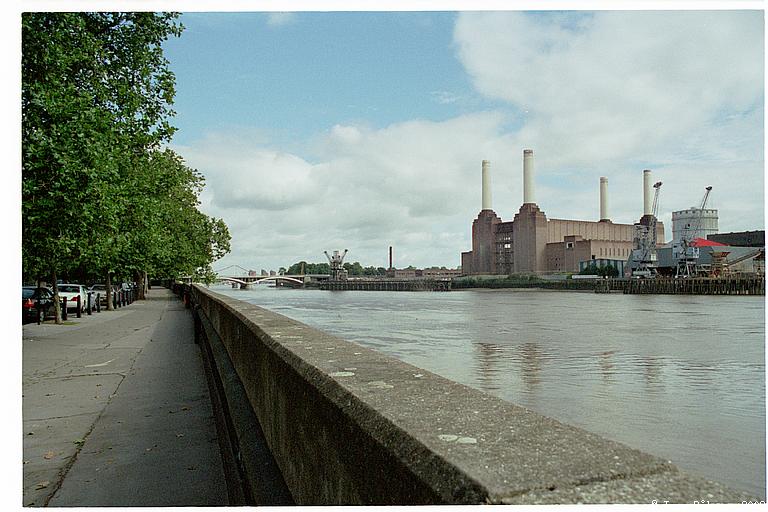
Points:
(529, 239)
(505, 248)
(484, 242)
(568, 255)
(558, 229)
(466, 262)
(533, 243)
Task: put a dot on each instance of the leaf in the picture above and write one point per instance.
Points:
(42, 485)
(49, 455)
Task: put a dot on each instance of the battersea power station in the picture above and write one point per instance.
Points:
(532, 243)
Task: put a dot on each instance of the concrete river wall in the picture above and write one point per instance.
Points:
(317, 420)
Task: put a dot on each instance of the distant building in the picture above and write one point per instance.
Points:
(575, 253)
(440, 272)
(406, 273)
(740, 238)
(617, 264)
(531, 243)
(732, 258)
(693, 223)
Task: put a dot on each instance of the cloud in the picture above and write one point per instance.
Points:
(603, 94)
(611, 93)
(612, 84)
(279, 19)
(414, 185)
(444, 97)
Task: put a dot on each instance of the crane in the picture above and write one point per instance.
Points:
(337, 271)
(644, 254)
(686, 253)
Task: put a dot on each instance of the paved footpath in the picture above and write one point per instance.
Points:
(116, 411)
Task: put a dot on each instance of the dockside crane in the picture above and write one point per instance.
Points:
(645, 240)
(687, 255)
(337, 270)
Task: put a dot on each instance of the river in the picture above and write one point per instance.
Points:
(678, 376)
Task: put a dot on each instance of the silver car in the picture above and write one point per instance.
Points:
(71, 292)
(100, 289)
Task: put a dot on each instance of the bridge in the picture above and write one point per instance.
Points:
(239, 276)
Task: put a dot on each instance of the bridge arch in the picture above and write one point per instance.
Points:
(275, 278)
(242, 282)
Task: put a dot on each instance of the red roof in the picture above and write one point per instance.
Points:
(701, 242)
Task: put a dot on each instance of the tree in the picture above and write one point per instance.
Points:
(99, 194)
(354, 269)
(608, 271)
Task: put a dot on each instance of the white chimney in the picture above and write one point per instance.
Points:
(647, 193)
(529, 195)
(603, 198)
(486, 185)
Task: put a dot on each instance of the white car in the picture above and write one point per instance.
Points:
(71, 291)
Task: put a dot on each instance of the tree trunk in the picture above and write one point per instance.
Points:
(56, 303)
(37, 306)
(109, 293)
(141, 281)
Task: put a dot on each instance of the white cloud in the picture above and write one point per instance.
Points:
(444, 97)
(611, 93)
(614, 84)
(278, 19)
(413, 185)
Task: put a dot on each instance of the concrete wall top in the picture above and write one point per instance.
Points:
(458, 443)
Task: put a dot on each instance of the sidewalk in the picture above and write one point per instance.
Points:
(116, 411)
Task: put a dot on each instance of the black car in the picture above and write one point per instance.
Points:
(29, 303)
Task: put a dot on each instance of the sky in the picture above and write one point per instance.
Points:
(359, 130)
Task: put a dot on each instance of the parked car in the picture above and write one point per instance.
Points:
(29, 301)
(71, 292)
(100, 289)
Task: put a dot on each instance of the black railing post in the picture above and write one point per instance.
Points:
(64, 309)
(98, 303)
(90, 304)
(78, 304)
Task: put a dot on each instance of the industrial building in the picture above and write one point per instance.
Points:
(716, 259)
(693, 223)
(532, 243)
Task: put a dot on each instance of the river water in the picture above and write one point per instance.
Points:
(678, 376)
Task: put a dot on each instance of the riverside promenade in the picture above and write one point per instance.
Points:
(117, 412)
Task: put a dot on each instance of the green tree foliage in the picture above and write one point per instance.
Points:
(353, 269)
(602, 271)
(308, 268)
(101, 197)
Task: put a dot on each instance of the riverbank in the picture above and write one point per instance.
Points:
(411, 436)
(753, 285)
(679, 376)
